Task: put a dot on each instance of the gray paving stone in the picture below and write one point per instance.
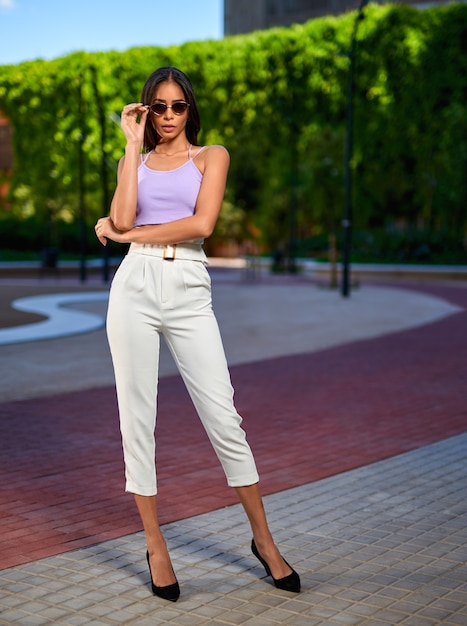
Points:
(382, 545)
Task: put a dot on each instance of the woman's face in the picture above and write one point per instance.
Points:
(168, 124)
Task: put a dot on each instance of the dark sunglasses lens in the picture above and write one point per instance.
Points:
(179, 107)
(159, 108)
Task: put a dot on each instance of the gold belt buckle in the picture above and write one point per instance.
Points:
(169, 251)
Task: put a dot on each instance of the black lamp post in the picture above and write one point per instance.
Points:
(347, 221)
(104, 164)
(81, 208)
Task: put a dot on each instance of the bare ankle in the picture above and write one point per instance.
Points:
(156, 545)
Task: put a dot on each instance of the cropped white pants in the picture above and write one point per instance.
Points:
(151, 296)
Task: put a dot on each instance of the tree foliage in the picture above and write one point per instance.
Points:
(277, 99)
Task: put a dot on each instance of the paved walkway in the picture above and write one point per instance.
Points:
(367, 482)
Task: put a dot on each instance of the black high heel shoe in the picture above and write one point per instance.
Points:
(288, 583)
(169, 592)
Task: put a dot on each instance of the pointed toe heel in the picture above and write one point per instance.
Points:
(288, 583)
(169, 592)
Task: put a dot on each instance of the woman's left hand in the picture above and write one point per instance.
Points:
(106, 230)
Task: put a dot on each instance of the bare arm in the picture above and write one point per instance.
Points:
(123, 207)
(200, 225)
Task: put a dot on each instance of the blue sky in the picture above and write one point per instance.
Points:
(47, 29)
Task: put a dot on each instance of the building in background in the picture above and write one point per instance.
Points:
(245, 16)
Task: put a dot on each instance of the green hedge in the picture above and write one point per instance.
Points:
(277, 99)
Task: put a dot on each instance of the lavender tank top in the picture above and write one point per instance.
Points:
(167, 196)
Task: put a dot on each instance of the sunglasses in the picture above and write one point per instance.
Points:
(159, 108)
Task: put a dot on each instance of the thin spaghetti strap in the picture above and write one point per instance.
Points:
(200, 150)
(144, 157)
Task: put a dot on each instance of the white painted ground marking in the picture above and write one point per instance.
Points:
(61, 321)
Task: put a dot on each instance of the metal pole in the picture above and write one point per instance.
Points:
(104, 165)
(292, 246)
(82, 221)
(347, 221)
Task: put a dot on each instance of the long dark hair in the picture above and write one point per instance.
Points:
(167, 75)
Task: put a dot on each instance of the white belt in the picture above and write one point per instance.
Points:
(173, 252)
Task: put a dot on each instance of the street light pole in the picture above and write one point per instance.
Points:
(104, 165)
(81, 208)
(347, 221)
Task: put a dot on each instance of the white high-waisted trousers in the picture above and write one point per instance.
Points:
(150, 296)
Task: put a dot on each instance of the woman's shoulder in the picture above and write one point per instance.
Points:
(211, 149)
(214, 152)
(211, 157)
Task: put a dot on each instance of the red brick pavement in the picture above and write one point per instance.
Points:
(307, 417)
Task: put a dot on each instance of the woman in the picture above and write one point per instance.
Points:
(166, 202)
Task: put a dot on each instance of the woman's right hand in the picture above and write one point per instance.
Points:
(133, 121)
(105, 229)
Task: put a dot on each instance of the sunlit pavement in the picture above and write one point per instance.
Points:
(357, 417)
